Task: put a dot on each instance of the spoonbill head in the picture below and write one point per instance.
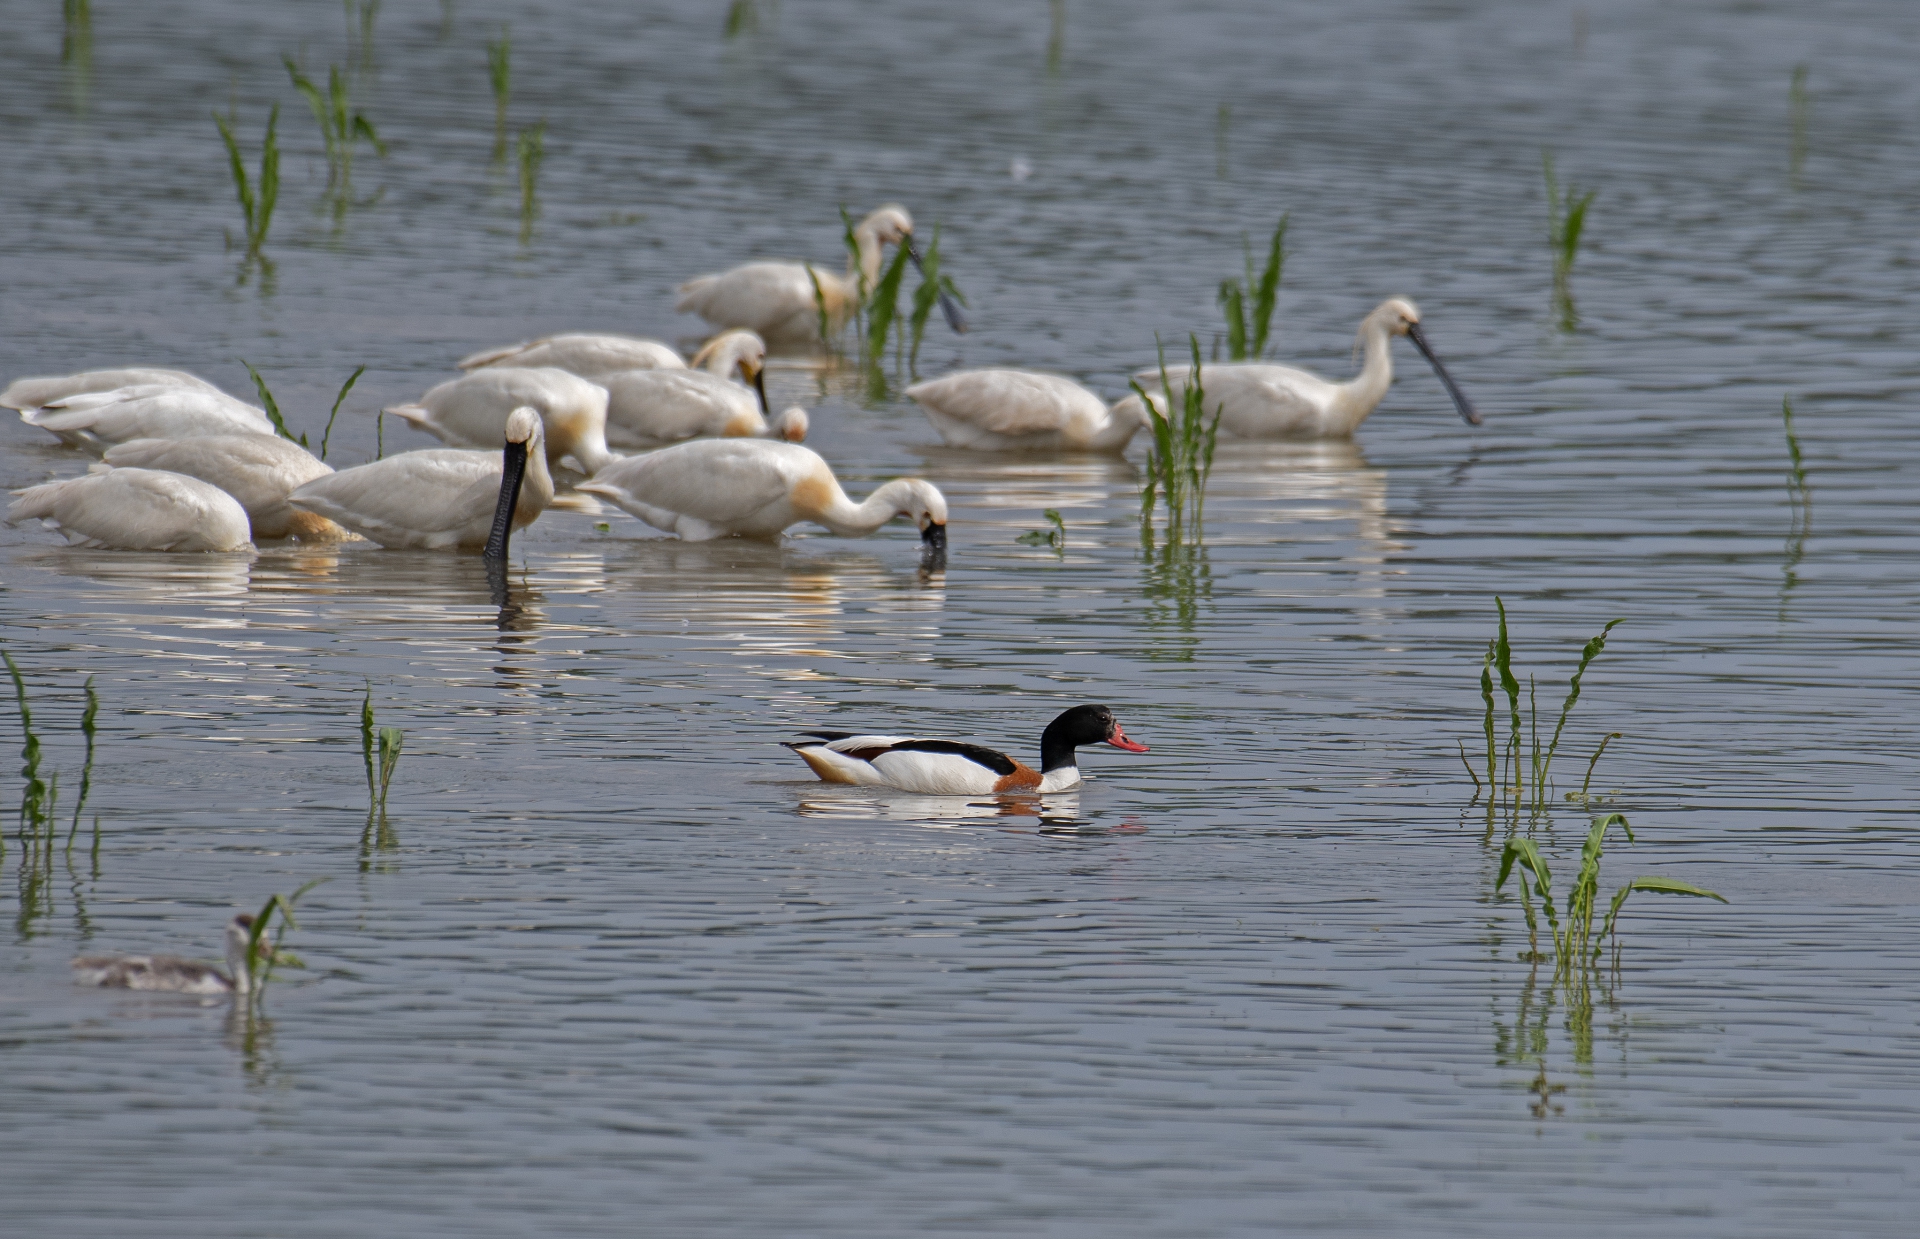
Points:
(1259, 400)
(741, 350)
(442, 499)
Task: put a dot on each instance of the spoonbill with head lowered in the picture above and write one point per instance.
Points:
(1258, 400)
(778, 299)
(441, 499)
(588, 356)
(472, 411)
(756, 488)
(136, 510)
(955, 768)
(646, 408)
(1014, 410)
(258, 470)
(32, 393)
(95, 421)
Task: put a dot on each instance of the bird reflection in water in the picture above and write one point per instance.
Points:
(1055, 814)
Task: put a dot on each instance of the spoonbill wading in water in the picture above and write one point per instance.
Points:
(1258, 400)
(137, 510)
(955, 768)
(1024, 410)
(778, 299)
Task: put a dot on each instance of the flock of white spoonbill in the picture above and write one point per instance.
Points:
(186, 467)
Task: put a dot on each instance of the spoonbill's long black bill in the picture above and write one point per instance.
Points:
(955, 319)
(513, 467)
(1460, 400)
(760, 386)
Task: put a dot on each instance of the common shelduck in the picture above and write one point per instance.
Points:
(441, 499)
(136, 510)
(756, 488)
(171, 974)
(258, 470)
(1257, 400)
(1002, 410)
(955, 768)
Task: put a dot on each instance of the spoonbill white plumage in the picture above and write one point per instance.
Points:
(756, 488)
(589, 356)
(441, 499)
(31, 393)
(258, 470)
(136, 510)
(472, 411)
(1258, 400)
(777, 299)
(170, 973)
(95, 421)
(955, 768)
(1001, 410)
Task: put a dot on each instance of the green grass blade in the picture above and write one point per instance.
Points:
(335, 411)
(272, 409)
(1503, 663)
(1588, 653)
(885, 307)
(1232, 304)
(1595, 760)
(269, 184)
(90, 731)
(1653, 886)
(1267, 291)
(1486, 695)
(239, 171)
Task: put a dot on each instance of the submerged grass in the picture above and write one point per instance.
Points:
(1566, 220)
(38, 824)
(1180, 460)
(1518, 772)
(500, 78)
(1055, 537)
(341, 124)
(257, 198)
(1249, 308)
(530, 148)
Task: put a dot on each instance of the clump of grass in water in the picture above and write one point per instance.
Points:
(500, 77)
(263, 956)
(530, 148)
(1575, 946)
(1800, 105)
(341, 125)
(1506, 778)
(1055, 537)
(934, 283)
(380, 748)
(256, 199)
(1248, 326)
(39, 802)
(1566, 219)
(1181, 458)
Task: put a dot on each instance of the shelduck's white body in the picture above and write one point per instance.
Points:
(1257, 400)
(933, 767)
(1023, 410)
(95, 421)
(440, 499)
(472, 412)
(588, 356)
(136, 510)
(778, 299)
(756, 488)
(260, 471)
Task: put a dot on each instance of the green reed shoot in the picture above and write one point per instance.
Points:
(529, 149)
(256, 199)
(335, 411)
(272, 407)
(89, 729)
(380, 749)
(1800, 105)
(1566, 220)
(1575, 946)
(1181, 458)
(1537, 774)
(1593, 761)
(360, 18)
(743, 17)
(500, 76)
(37, 796)
(1248, 326)
(261, 955)
(933, 282)
(1799, 502)
(1055, 537)
(1057, 35)
(883, 308)
(859, 272)
(341, 124)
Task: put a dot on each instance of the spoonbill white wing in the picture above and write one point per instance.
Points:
(712, 487)
(436, 499)
(1008, 402)
(258, 470)
(768, 297)
(472, 411)
(94, 421)
(31, 393)
(1253, 400)
(650, 407)
(137, 510)
(589, 356)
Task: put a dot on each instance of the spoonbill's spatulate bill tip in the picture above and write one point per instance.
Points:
(1468, 413)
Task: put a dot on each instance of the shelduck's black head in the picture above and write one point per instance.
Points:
(1078, 726)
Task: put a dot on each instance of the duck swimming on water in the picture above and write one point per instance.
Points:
(955, 768)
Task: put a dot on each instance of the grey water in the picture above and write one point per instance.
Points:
(614, 963)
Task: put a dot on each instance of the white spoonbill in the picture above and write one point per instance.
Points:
(31, 393)
(1000, 410)
(95, 421)
(756, 488)
(777, 299)
(588, 356)
(136, 510)
(472, 411)
(955, 768)
(646, 408)
(441, 499)
(1257, 400)
(170, 973)
(258, 470)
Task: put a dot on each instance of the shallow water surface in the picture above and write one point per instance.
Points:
(614, 961)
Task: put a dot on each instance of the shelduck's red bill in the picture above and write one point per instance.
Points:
(1119, 741)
